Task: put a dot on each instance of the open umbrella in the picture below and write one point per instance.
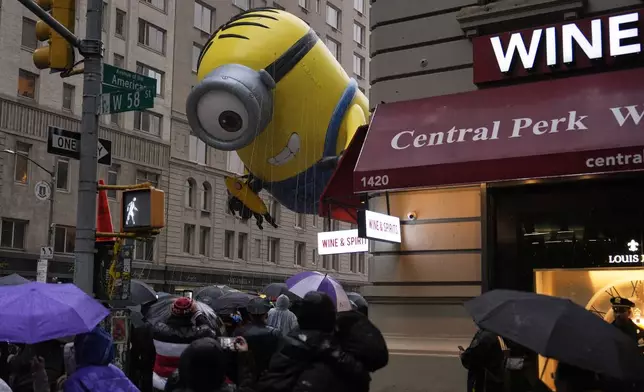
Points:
(274, 290)
(304, 282)
(209, 294)
(13, 280)
(141, 292)
(560, 329)
(230, 302)
(35, 312)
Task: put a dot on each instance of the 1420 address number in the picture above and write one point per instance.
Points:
(374, 181)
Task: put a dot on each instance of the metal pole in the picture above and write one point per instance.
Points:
(52, 199)
(51, 22)
(91, 49)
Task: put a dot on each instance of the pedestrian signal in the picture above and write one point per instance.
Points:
(142, 209)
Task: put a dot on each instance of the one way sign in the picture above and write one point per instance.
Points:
(67, 144)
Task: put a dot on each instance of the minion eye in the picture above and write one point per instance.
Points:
(222, 115)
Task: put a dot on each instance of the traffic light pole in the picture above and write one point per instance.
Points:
(92, 50)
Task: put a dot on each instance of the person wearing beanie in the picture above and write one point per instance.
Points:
(172, 337)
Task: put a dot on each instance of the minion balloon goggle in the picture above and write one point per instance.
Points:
(234, 103)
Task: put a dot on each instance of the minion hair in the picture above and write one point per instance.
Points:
(234, 21)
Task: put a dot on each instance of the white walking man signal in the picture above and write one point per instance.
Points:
(131, 208)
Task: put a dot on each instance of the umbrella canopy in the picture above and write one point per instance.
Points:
(231, 301)
(13, 280)
(274, 290)
(358, 300)
(141, 292)
(560, 329)
(159, 312)
(307, 281)
(35, 312)
(209, 294)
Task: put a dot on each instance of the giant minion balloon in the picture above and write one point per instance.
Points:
(271, 90)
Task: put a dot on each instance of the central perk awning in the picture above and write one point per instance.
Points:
(572, 126)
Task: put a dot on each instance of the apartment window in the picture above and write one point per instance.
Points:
(206, 192)
(361, 263)
(243, 4)
(190, 193)
(358, 33)
(196, 52)
(273, 254)
(242, 246)
(333, 16)
(358, 65)
(64, 238)
(275, 210)
(334, 47)
(29, 39)
(106, 16)
(317, 6)
(229, 244)
(353, 262)
(300, 221)
(13, 234)
(197, 150)
(27, 84)
(153, 73)
(204, 241)
(300, 253)
(21, 163)
(151, 36)
(203, 19)
(314, 256)
(335, 225)
(325, 262)
(115, 118)
(112, 179)
(62, 174)
(119, 29)
(257, 249)
(304, 4)
(144, 249)
(315, 220)
(188, 238)
(160, 4)
(143, 177)
(359, 6)
(335, 262)
(148, 122)
(68, 96)
(118, 60)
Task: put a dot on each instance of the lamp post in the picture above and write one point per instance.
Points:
(52, 185)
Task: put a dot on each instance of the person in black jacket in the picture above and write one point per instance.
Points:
(484, 361)
(21, 379)
(311, 360)
(263, 340)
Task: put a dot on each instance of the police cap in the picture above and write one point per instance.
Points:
(619, 302)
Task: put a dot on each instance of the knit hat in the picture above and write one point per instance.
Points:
(183, 306)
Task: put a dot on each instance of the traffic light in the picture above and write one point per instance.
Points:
(142, 209)
(59, 54)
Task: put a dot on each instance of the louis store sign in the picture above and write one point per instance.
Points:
(579, 44)
(632, 258)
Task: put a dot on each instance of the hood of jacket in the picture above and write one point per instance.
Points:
(93, 348)
(202, 366)
(282, 302)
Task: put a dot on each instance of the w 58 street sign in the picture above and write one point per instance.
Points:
(125, 91)
(126, 101)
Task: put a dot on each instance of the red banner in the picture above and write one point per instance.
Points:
(585, 124)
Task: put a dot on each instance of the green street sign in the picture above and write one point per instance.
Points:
(119, 79)
(126, 101)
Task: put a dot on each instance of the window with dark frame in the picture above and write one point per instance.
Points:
(112, 179)
(27, 84)
(335, 262)
(229, 244)
(144, 249)
(333, 16)
(21, 163)
(147, 121)
(204, 241)
(64, 239)
(273, 250)
(152, 73)
(145, 176)
(299, 258)
(29, 39)
(242, 246)
(13, 233)
(204, 17)
(159, 4)
(62, 174)
(152, 36)
(188, 238)
(121, 22)
(68, 96)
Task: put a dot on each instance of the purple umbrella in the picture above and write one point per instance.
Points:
(35, 312)
(304, 282)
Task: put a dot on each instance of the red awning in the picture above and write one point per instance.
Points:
(338, 200)
(578, 125)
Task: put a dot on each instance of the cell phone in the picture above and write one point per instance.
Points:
(227, 343)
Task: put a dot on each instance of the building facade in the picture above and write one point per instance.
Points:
(487, 196)
(201, 243)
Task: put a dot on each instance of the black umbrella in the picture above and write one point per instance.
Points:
(13, 280)
(160, 311)
(358, 300)
(560, 329)
(141, 292)
(209, 294)
(274, 290)
(230, 302)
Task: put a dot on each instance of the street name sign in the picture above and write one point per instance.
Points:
(67, 144)
(125, 91)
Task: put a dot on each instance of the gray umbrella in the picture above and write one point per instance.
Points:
(13, 280)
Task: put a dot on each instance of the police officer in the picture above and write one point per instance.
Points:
(623, 309)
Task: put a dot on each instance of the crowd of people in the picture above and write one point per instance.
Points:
(264, 349)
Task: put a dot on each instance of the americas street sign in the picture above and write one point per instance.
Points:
(120, 87)
(67, 144)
